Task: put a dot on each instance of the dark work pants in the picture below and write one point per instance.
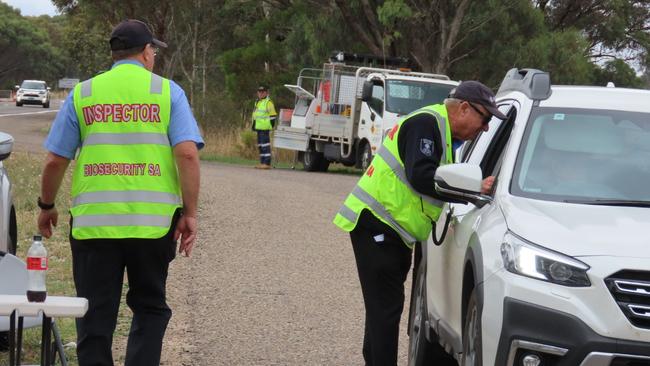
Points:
(98, 269)
(383, 267)
(264, 146)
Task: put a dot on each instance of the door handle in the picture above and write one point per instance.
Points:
(372, 116)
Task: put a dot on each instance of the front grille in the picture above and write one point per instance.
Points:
(631, 290)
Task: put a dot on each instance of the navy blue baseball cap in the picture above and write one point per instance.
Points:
(476, 92)
(132, 33)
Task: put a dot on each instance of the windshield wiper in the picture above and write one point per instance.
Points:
(612, 202)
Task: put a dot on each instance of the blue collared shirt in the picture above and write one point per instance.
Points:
(64, 137)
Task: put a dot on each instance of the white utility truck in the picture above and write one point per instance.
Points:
(342, 112)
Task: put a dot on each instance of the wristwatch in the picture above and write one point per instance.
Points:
(44, 206)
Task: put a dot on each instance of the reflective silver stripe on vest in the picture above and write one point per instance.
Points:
(347, 212)
(442, 126)
(379, 209)
(126, 196)
(156, 84)
(86, 88)
(126, 139)
(121, 220)
(400, 173)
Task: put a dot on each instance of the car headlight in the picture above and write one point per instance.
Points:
(42, 92)
(530, 260)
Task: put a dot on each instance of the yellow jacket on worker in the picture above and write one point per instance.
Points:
(385, 191)
(125, 183)
(262, 113)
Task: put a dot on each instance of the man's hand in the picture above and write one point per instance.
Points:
(486, 185)
(47, 219)
(186, 230)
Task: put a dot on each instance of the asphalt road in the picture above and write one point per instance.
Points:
(271, 281)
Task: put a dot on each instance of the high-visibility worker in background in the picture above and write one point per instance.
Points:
(394, 204)
(134, 193)
(264, 116)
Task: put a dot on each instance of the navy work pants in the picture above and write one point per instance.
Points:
(98, 267)
(264, 146)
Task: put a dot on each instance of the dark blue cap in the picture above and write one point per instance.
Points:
(132, 33)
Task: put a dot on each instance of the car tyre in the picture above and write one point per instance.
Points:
(18, 104)
(472, 342)
(421, 351)
(12, 242)
(47, 104)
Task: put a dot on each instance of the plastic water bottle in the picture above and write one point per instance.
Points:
(36, 268)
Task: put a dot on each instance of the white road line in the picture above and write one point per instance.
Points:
(27, 113)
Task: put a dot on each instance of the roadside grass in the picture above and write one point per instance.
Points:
(239, 147)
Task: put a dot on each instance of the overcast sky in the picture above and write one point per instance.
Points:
(33, 7)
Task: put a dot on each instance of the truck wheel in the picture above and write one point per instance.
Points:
(312, 161)
(365, 156)
(421, 351)
(472, 342)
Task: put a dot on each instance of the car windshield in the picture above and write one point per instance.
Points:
(586, 156)
(406, 96)
(33, 85)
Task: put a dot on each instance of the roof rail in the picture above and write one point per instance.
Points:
(533, 83)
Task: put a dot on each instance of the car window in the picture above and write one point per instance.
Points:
(33, 85)
(376, 102)
(405, 96)
(584, 154)
(473, 151)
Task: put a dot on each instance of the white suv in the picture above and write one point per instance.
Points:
(33, 92)
(554, 267)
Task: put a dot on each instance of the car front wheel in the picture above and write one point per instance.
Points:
(472, 342)
(421, 351)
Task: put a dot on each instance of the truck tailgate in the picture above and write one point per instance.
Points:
(291, 138)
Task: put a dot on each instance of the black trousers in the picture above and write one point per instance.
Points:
(98, 269)
(383, 262)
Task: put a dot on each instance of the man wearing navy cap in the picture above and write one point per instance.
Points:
(392, 208)
(264, 116)
(134, 193)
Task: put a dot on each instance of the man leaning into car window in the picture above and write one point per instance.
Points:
(394, 203)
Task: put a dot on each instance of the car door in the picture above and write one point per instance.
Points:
(445, 263)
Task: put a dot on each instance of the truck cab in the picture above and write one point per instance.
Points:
(342, 112)
(389, 97)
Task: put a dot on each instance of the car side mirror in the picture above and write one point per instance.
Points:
(366, 93)
(6, 145)
(17, 86)
(461, 182)
(48, 88)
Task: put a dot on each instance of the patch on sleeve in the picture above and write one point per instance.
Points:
(426, 147)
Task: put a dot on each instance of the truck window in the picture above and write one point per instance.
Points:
(405, 96)
(377, 101)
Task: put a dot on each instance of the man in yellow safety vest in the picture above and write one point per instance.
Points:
(134, 193)
(264, 116)
(394, 204)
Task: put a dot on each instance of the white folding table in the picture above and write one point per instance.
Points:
(17, 307)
